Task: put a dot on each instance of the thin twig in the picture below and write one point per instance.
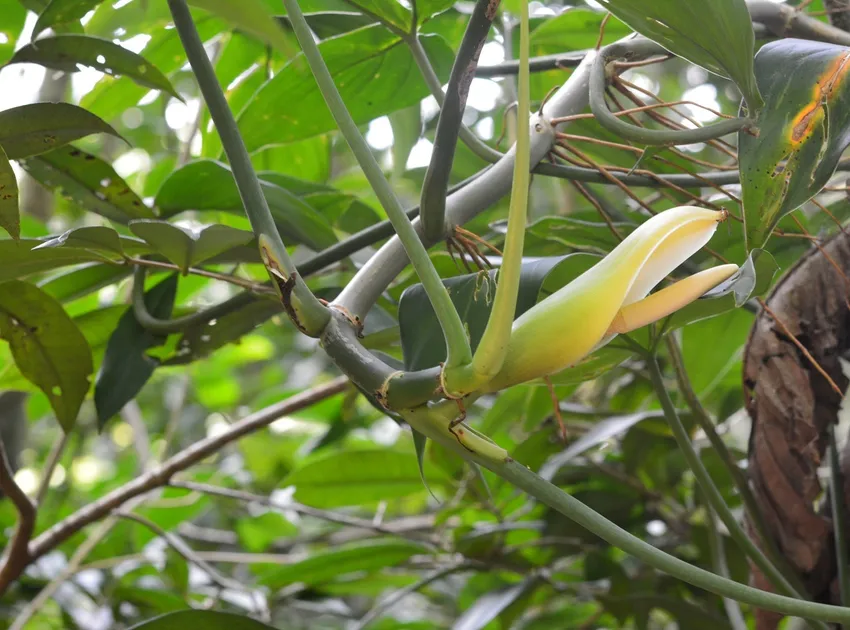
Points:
(305, 510)
(256, 287)
(160, 475)
(52, 461)
(17, 555)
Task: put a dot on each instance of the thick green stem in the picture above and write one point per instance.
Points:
(435, 185)
(307, 312)
(738, 475)
(457, 342)
(475, 144)
(839, 522)
(707, 485)
(491, 351)
(652, 137)
(433, 422)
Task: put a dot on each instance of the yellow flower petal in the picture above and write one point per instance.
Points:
(669, 299)
(566, 326)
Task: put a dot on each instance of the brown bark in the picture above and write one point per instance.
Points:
(792, 405)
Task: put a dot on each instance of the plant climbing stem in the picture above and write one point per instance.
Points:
(491, 351)
(432, 422)
(707, 486)
(307, 312)
(459, 352)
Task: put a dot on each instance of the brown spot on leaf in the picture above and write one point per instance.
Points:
(805, 121)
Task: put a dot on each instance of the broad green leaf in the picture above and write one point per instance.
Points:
(18, 259)
(752, 280)
(372, 68)
(716, 35)
(592, 366)
(68, 52)
(49, 349)
(111, 96)
(14, 15)
(297, 221)
(257, 533)
(355, 477)
(80, 282)
(573, 29)
(38, 128)
(89, 182)
(250, 16)
(802, 131)
(206, 619)
(126, 365)
(326, 565)
(94, 237)
(63, 12)
(186, 248)
(10, 219)
(421, 336)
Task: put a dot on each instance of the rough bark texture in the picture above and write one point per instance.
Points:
(791, 405)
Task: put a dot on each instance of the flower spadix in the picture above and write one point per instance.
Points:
(611, 297)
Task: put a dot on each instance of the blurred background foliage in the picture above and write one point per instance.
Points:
(329, 525)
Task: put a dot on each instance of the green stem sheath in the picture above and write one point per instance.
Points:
(311, 315)
(457, 342)
(491, 351)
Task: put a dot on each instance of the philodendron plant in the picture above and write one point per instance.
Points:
(611, 298)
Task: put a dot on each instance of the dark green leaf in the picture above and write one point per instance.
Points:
(206, 619)
(297, 221)
(68, 52)
(126, 365)
(187, 248)
(49, 349)
(63, 12)
(201, 340)
(332, 23)
(421, 336)
(18, 258)
(89, 182)
(38, 128)
(9, 217)
(715, 35)
(250, 16)
(355, 477)
(372, 68)
(80, 282)
(802, 131)
(325, 566)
